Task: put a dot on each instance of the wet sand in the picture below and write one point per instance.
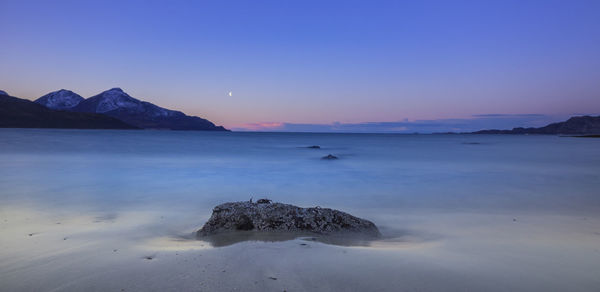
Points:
(148, 250)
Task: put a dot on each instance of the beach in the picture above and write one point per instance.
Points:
(89, 210)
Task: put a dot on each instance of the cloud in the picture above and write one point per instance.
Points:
(473, 123)
(260, 127)
(507, 115)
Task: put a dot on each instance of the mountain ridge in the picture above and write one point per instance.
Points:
(579, 125)
(22, 113)
(118, 104)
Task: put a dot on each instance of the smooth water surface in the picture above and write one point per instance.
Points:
(466, 212)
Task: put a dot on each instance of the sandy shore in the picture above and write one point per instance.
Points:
(149, 251)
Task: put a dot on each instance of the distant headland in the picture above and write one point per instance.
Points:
(575, 126)
(111, 109)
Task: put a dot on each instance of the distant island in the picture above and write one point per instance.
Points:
(111, 109)
(581, 126)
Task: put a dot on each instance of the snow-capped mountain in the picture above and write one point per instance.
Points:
(2, 92)
(117, 99)
(22, 113)
(118, 104)
(60, 100)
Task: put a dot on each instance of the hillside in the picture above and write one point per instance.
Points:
(22, 113)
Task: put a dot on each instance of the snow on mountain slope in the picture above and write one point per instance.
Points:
(116, 98)
(60, 100)
(120, 105)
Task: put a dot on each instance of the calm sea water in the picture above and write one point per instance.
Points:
(121, 169)
(488, 206)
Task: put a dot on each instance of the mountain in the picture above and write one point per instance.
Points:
(118, 104)
(22, 113)
(583, 125)
(60, 100)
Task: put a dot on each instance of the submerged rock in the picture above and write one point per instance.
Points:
(264, 215)
(329, 157)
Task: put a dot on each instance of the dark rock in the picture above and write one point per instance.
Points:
(263, 201)
(314, 147)
(329, 157)
(277, 217)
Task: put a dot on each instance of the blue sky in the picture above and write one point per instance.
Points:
(314, 62)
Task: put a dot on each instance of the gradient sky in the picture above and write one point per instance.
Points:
(313, 62)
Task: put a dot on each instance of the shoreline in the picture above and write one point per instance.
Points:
(455, 252)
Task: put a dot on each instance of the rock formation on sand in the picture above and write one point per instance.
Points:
(264, 215)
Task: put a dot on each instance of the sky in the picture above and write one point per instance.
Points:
(377, 66)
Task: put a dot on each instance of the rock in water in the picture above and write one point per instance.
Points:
(264, 215)
(329, 157)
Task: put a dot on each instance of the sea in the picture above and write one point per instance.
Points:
(458, 211)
